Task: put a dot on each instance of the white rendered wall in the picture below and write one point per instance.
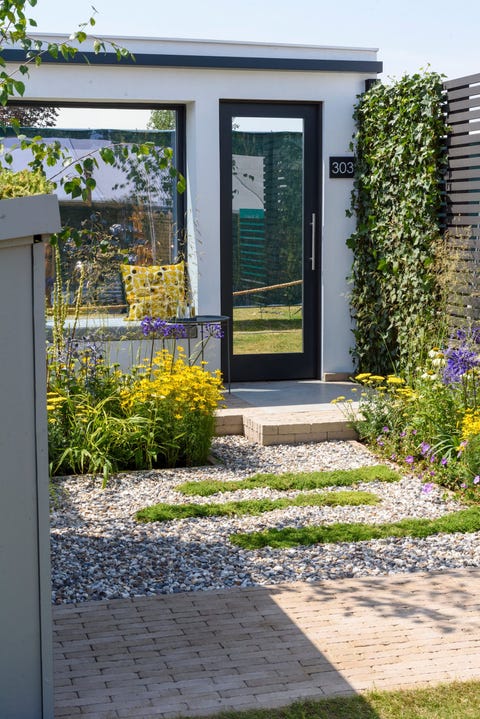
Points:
(201, 90)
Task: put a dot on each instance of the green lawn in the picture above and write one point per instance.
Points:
(267, 330)
(458, 700)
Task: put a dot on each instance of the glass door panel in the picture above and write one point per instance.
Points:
(269, 199)
(267, 233)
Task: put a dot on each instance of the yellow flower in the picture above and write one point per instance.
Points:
(363, 376)
(392, 379)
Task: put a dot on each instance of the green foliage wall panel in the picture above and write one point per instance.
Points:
(397, 196)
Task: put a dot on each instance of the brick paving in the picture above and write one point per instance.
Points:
(202, 652)
(283, 424)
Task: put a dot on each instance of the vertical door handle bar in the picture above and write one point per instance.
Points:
(313, 224)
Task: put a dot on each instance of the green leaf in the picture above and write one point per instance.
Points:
(19, 86)
(107, 155)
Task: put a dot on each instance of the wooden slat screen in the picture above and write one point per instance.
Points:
(462, 196)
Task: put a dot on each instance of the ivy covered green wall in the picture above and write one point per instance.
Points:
(400, 160)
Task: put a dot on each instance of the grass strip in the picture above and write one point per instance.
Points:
(165, 512)
(458, 700)
(293, 480)
(467, 520)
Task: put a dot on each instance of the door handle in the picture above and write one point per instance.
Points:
(313, 225)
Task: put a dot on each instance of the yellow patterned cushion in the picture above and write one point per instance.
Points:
(153, 291)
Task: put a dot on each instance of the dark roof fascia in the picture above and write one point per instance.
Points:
(208, 61)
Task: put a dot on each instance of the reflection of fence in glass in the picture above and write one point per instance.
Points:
(267, 236)
(267, 211)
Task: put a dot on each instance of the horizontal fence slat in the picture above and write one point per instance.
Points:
(458, 105)
(462, 114)
(455, 208)
(458, 185)
(463, 127)
(462, 197)
(463, 240)
(457, 162)
(462, 173)
(463, 91)
(464, 221)
(465, 258)
(464, 139)
(462, 81)
(464, 152)
(469, 296)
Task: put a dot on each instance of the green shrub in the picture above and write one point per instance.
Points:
(22, 183)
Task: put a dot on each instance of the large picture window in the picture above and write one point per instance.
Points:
(133, 217)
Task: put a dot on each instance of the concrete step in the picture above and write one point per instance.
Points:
(284, 425)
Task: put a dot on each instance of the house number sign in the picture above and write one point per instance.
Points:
(341, 167)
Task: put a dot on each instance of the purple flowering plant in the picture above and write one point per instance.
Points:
(168, 332)
(419, 421)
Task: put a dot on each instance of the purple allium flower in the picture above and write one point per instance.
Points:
(147, 325)
(159, 325)
(424, 447)
(459, 360)
(214, 329)
(162, 328)
(175, 330)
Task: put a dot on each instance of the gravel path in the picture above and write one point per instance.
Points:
(100, 552)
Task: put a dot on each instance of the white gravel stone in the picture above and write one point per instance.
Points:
(99, 551)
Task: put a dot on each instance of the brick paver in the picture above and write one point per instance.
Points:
(202, 652)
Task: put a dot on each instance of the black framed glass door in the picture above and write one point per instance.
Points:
(269, 155)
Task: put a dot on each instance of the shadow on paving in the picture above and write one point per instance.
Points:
(258, 647)
(192, 652)
(395, 598)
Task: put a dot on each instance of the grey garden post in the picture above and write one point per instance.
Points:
(26, 665)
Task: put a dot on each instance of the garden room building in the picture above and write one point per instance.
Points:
(261, 133)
